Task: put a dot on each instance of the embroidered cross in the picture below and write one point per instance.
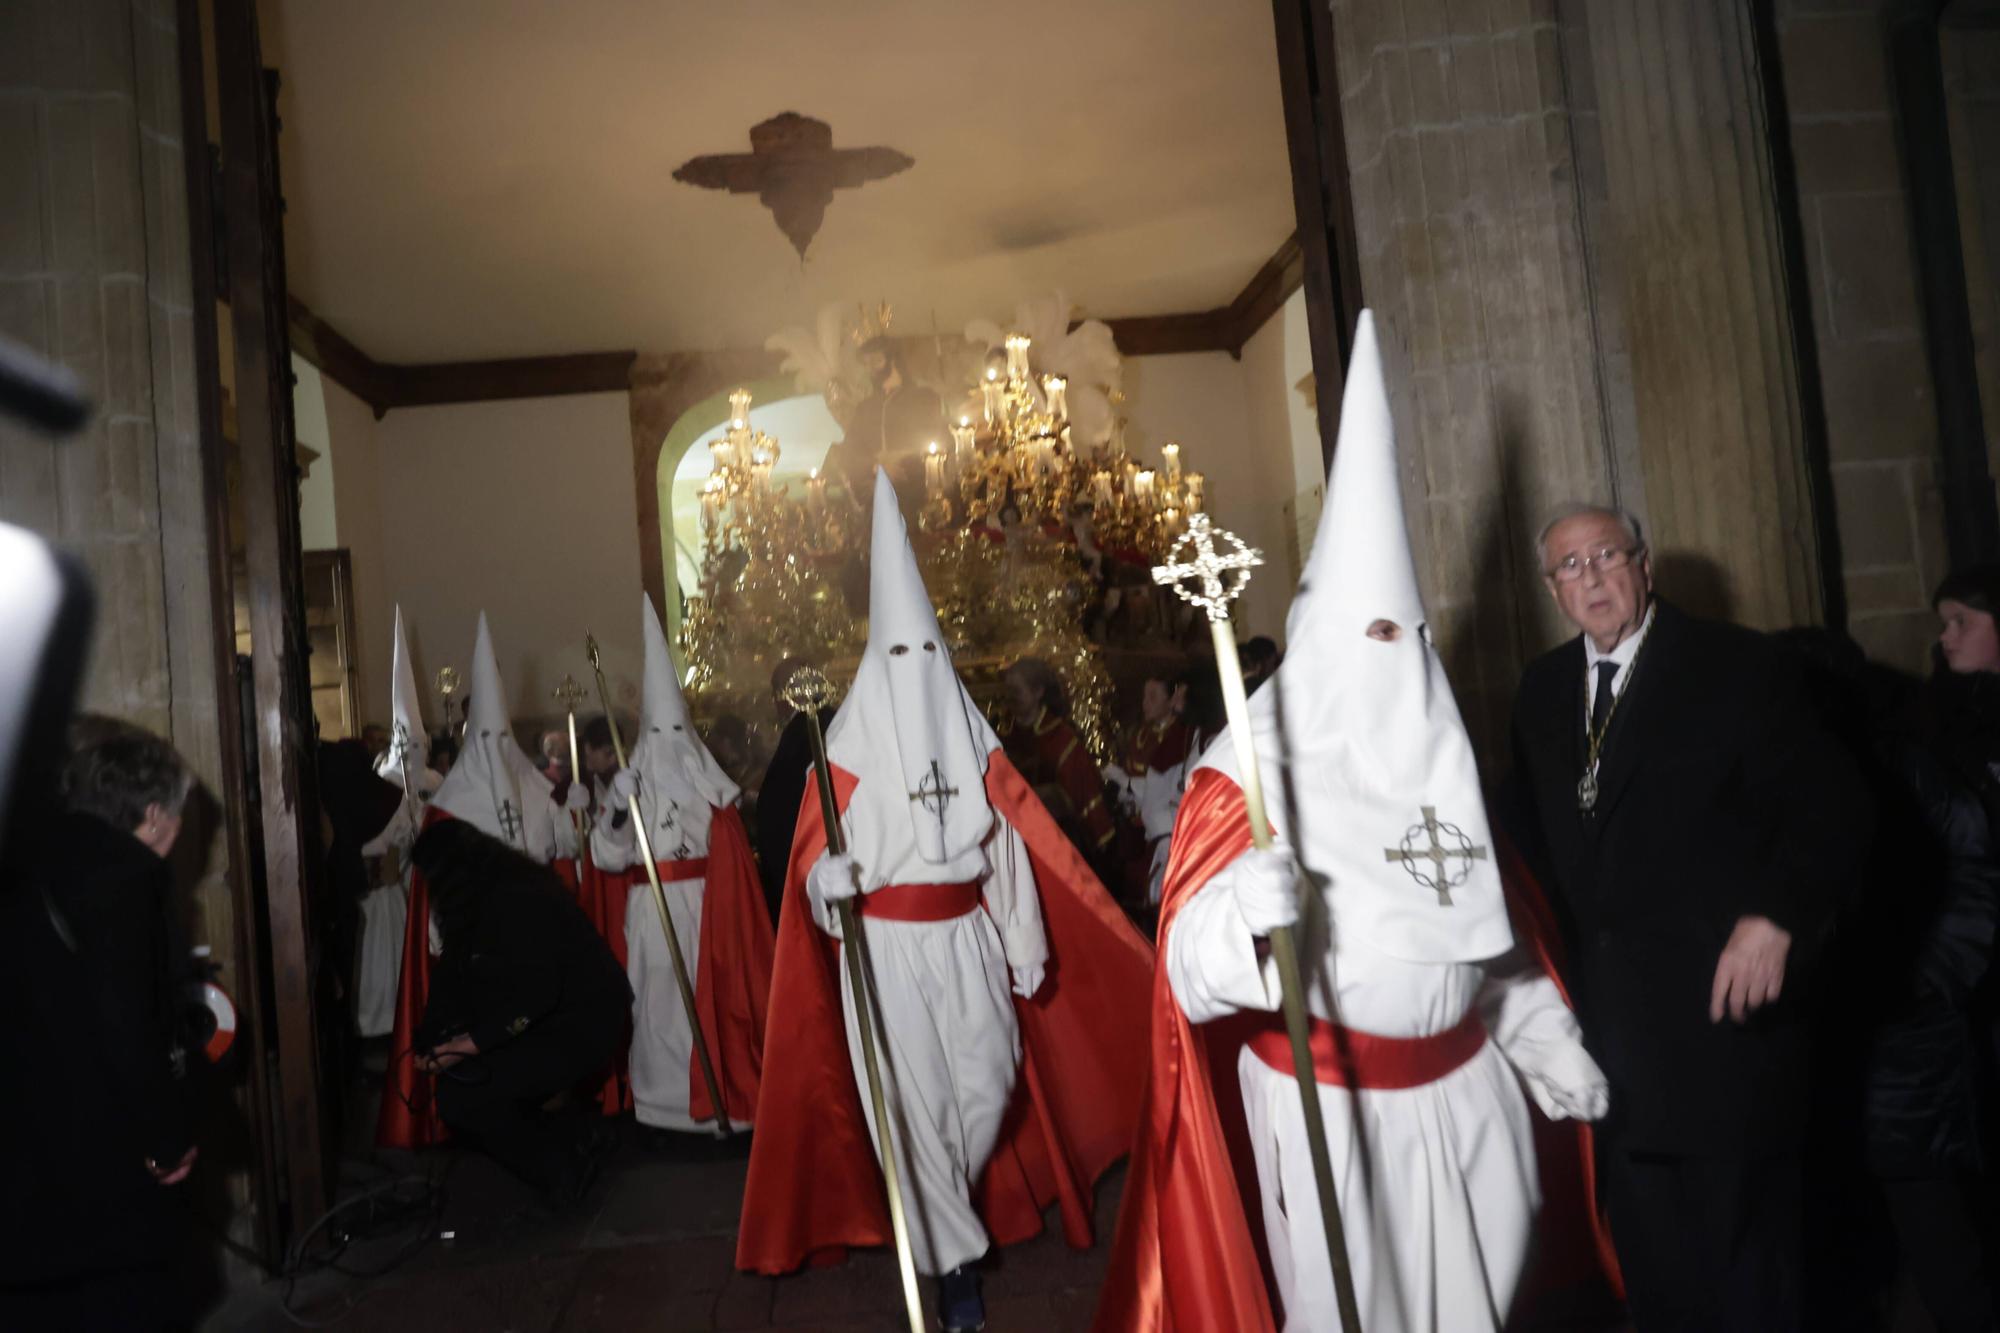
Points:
(670, 822)
(1442, 878)
(932, 794)
(510, 821)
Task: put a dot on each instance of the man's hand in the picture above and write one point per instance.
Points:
(1751, 971)
(577, 799)
(175, 1174)
(1027, 980)
(449, 1053)
(624, 785)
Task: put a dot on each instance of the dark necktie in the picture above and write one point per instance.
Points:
(1600, 707)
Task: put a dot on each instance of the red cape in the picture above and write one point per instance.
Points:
(815, 1187)
(409, 1116)
(1187, 1257)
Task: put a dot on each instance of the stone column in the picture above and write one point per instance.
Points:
(1470, 231)
(1695, 250)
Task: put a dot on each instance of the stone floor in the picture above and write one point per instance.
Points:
(650, 1248)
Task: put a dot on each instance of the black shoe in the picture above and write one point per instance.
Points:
(961, 1309)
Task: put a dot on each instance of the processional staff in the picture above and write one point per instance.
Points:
(447, 683)
(569, 694)
(809, 691)
(1217, 580)
(722, 1128)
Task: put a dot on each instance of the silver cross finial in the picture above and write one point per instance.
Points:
(1220, 577)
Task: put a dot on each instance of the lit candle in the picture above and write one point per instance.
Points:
(1172, 453)
(1017, 356)
(962, 439)
(933, 471)
(1057, 389)
(1196, 484)
(990, 388)
(723, 450)
(1100, 485)
(815, 493)
(711, 505)
(1142, 485)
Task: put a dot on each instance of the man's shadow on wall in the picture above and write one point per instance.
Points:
(1694, 583)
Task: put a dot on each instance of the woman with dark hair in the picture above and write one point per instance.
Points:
(526, 1001)
(96, 1122)
(1963, 708)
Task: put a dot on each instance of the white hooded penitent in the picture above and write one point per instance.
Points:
(931, 784)
(680, 783)
(409, 752)
(492, 786)
(1363, 732)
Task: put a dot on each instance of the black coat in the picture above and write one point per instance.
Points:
(1721, 796)
(94, 1075)
(525, 954)
(778, 803)
(1923, 941)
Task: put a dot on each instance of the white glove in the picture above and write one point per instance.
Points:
(624, 785)
(1027, 980)
(1267, 889)
(832, 878)
(577, 799)
(1562, 1078)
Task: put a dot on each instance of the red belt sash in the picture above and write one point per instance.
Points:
(695, 867)
(919, 902)
(1346, 1058)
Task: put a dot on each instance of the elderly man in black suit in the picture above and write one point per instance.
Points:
(1699, 833)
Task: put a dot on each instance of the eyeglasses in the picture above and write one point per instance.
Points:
(1607, 558)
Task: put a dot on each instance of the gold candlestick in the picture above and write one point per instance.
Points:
(809, 691)
(1219, 579)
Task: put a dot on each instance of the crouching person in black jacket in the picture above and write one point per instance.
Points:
(525, 1002)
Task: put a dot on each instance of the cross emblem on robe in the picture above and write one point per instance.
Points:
(670, 822)
(510, 821)
(932, 794)
(1220, 576)
(399, 742)
(1436, 843)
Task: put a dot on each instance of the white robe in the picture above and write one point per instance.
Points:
(951, 1045)
(662, 1055)
(384, 911)
(1437, 1184)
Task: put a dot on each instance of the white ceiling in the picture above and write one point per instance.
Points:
(485, 178)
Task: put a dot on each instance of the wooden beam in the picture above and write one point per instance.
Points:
(386, 385)
(235, 796)
(1309, 85)
(516, 377)
(338, 359)
(287, 798)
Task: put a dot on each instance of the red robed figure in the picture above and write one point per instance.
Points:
(815, 1186)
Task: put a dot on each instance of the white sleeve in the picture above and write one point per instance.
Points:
(1211, 956)
(612, 846)
(1012, 898)
(1532, 1026)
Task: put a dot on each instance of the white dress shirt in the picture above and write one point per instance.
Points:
(1626, 650)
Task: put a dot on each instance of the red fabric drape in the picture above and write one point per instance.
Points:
(409, 1117)
(1186, 1257)
(732, 989)
(815, 1188)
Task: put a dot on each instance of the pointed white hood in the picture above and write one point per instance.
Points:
(493, 787)
(908, 726)
(1356, 737)
(409, 749)
(680, 783)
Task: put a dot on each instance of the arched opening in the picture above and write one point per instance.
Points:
(804, 429)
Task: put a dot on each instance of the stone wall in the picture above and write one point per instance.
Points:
(1881, 416)
(1469, 222)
